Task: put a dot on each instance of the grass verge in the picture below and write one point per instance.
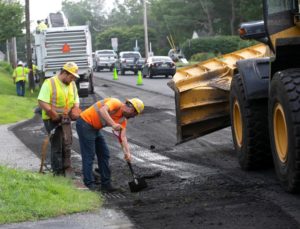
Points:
(14, 108)
(30, 196)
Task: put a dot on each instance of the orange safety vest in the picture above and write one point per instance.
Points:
(93, 116)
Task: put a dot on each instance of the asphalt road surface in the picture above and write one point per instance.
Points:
(201, 185)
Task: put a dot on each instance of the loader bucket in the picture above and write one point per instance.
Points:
(202, 93)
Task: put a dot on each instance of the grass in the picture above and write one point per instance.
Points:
(30, 196)
(14, 108)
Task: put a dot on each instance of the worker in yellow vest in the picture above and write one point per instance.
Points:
(59, 101)
(19, 78)
(41, 26)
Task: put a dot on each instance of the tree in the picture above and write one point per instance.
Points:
(11, 19)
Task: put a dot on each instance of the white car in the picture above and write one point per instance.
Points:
(105, 59)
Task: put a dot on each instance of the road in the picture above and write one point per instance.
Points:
(201, 185)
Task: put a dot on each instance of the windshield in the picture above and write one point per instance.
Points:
(276, 6)
(162, 59)
(105, 52)
(131, 55)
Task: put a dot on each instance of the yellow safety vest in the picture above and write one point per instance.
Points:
(20, 73)
(60, 101)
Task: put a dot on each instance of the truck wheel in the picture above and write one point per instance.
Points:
(249, 125)
(284, 123)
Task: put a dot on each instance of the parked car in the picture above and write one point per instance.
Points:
(130, 61)
(105, 59)
(159, 65)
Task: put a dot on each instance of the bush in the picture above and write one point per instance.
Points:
(216, 45)
(198, 57)
(6, 67)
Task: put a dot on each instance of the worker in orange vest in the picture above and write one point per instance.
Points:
(108, 112)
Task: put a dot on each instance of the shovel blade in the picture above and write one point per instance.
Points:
(137, 184)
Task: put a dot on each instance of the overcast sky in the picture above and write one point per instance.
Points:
(39, 9)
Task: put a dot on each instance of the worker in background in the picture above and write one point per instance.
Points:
(19, 78)
(41, 26)
(35, 75)
(109, 112)
(59, 101)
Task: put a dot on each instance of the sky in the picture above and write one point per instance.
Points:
(39, 9)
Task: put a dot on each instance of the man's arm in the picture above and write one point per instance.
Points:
(104, 114)
(51, 113)
(125, 146)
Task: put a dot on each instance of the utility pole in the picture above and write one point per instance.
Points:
(146, 30)
(28, 46)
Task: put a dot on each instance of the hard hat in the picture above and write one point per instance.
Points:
(72, 68)
(20, 63)
(137, 104)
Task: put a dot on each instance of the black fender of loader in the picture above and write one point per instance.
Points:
(255, 77)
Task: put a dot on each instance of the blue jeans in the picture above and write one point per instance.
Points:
(20, 88)
(92, 142)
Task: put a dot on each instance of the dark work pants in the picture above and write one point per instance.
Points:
(20, 87)
(61, 143)
(93, 143)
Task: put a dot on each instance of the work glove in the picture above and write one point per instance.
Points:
(116, 127)
(74, 113)
(53, 115)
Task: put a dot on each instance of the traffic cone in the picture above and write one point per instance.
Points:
(115, 74)
(139, 79)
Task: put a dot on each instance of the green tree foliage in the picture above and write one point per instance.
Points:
(11, 19)
(127, 37)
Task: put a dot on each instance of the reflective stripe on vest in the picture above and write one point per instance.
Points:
(102, 120)
(54, 97)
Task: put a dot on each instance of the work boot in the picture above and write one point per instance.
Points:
(108, 188)
(69, 173)
(94, 188)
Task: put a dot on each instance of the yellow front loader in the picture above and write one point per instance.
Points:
(255, 90)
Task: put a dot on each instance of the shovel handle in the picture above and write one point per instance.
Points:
(131, 169)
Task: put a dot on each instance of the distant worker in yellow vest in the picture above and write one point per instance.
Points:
(59, 101)
(41, 26)
(19, 78)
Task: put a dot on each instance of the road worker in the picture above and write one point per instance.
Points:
(41, 26)
(108, 112)
(59, 101)
(19, 78)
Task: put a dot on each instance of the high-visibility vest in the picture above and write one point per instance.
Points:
(42, 26)
(93, 116)
(20, 73)
(60, 102)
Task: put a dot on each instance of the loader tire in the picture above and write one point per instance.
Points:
(249, 125)
(284, 123)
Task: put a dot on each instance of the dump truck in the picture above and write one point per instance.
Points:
(256, 90)
(61, 43)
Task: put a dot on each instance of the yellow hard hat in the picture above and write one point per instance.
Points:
(137, 104)
(72, 68)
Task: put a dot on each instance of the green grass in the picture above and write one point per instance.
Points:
(14, 108)
(30, 196)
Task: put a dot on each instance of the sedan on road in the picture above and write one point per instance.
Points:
(159, 65)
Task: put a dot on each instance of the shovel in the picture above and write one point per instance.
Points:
(138, 183)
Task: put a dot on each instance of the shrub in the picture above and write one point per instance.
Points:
(216, 45)
(6, 67)
(198, 57)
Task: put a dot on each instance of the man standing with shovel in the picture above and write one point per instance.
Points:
(108, 112)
